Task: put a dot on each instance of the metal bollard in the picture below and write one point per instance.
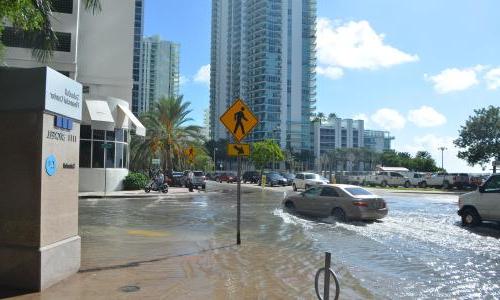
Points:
(328, 272)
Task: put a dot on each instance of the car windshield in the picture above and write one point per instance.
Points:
(198, 173)
(356, 191)
(312, 176)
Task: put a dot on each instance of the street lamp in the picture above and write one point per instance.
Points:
(442, 156)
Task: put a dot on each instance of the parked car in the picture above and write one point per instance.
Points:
(308, 180)
(251, 176)
(386, 178)
(446, 181)
(199, 180)
(482, 204)
(343, 202)
(228, 177)
(274, 178)
(178, 179)
(289, 177)
(415, 178)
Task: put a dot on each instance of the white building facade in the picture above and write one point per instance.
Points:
(159, 71)
(263, 51)
(97, 51)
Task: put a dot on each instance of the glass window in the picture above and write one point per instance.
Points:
(492, 185)
(119, 155)
(119, 135)
(125, 136)
(98, 134)
(85, 151)
(329, 192)
(125, 156)
(110, 156)
(357, 191)
(97, 155)
(85, 132)
(110, 136)
(312, 192)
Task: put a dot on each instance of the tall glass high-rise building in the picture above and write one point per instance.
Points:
(264, 52)
(159, 71)
(136, 62)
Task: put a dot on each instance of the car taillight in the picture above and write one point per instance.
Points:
(360, 203)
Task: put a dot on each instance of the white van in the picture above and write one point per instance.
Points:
(481, 205)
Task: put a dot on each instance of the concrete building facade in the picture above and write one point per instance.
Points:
(136, 62)
(264, 52)
(159, 71)
(95, 49)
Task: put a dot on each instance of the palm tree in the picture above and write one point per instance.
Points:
(167, 132)
(33, 20)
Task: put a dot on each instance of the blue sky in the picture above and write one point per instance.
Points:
(416, 68)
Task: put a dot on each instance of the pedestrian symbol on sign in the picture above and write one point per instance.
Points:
(239, 116)
(239, 120)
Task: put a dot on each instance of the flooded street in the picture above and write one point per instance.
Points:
(418, 251)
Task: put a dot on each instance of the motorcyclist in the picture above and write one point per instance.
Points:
(190, 177)
(159, 179)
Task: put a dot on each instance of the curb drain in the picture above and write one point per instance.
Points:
(129, 288)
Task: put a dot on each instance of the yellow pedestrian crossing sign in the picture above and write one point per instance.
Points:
(239, 119)
(238, 149)
(190, 153)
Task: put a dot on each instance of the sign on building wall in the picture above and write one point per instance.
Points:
(63, 95)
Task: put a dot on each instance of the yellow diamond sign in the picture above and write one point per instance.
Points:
(190, 153)
(238, 149)
(239, 119)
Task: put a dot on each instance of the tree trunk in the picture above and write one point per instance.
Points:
(169, 159)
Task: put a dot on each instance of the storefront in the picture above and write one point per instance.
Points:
(107, 124)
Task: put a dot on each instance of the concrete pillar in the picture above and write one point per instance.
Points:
(40, 111)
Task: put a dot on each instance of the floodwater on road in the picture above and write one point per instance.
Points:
(418, 251)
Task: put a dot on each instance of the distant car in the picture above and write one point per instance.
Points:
(343, 202)
(274, 178)
(199, 180)
(289, 177)
(251, 176)
(178, 179)
(415, 178)
(307, 180)
(228, 177)
(385, 178)
(482, 204)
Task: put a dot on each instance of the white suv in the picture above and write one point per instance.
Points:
(481, 205)
(308, 180)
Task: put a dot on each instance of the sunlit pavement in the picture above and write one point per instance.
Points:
(182, 246)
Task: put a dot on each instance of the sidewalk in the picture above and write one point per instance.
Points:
(134, 194)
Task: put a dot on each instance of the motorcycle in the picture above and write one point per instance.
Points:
(154, 186)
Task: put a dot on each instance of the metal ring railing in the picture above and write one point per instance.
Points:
(326, 288)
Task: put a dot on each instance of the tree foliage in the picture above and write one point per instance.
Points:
(265, 152)
(167, 135)
(479, 139)
(33, 19)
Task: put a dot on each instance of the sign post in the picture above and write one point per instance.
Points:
(239, 121)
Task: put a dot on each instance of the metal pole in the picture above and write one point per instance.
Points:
(215, 167)
(238, 204)
(326, 288)
(105, 150)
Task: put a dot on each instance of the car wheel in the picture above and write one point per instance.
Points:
(470, 217)
(147, 189)
(423, 184)
(384, 183)
(407, 184)
(339, 215)
(307, 186)
(203, 187)
(272, 184)
(294, 187)
(289, 205)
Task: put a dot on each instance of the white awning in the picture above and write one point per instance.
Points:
(139, 128)
(100, 115)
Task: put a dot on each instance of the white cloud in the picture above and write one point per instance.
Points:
(330, 72)
(426, 116)
(203, 74)
(431, 143)
(454, 79)
(355, 45)
(388, 119)
(493, 79)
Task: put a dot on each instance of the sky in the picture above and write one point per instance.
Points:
(416, 68)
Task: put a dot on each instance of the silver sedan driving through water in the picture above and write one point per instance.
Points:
(343, 202)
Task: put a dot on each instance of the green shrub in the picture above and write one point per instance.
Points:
(135, 181)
